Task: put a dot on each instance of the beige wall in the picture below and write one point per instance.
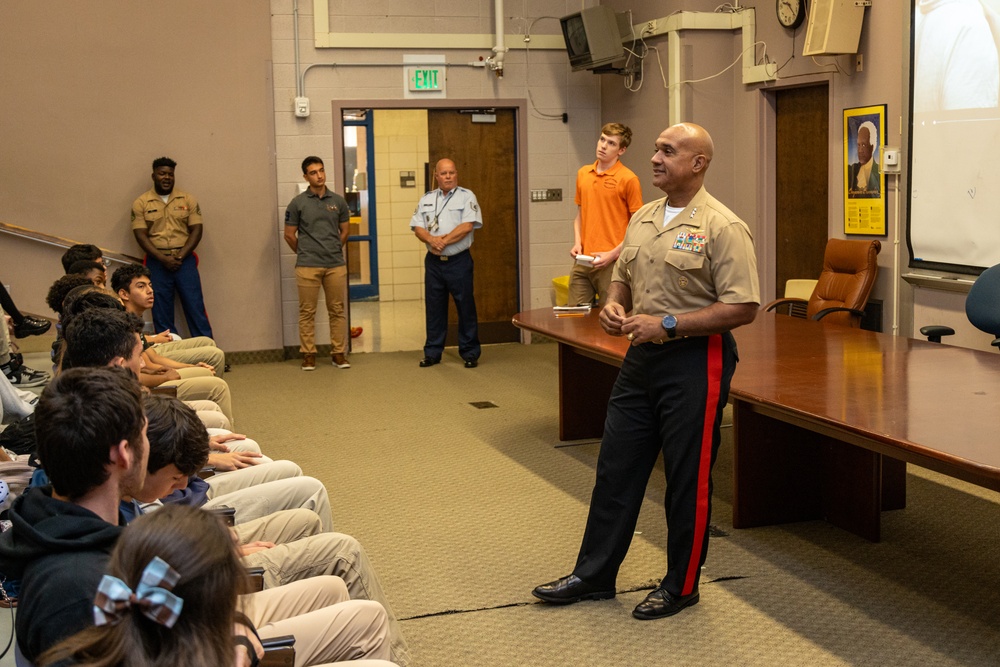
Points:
(93, 92)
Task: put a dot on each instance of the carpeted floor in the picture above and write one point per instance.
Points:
(464, 510)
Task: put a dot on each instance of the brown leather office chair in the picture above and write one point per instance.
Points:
(849, 271)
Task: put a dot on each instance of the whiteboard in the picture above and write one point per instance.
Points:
(954, 160)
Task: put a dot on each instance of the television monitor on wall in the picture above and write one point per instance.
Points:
(594, 37)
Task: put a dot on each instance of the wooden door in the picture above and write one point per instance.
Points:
(486, 159)
(802, 178)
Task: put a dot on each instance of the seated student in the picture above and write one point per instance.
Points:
(290, 545)
(83, 297)
(81, 252)
(191, 382)
(91, 439)
(205, 394)
(133, 285)
(101, 337)
(97, 348)
(58, 292)
(11, 363)
(89, 296)
(95, 272)
(61, 288)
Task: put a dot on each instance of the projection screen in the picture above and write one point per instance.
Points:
(954, 158)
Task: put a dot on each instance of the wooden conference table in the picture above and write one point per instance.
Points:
(825, 417)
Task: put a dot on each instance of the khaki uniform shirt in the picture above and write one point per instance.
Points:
(703, 256)
(168, 223)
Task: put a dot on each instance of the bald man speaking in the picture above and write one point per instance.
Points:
(687, 275)
(445, 220)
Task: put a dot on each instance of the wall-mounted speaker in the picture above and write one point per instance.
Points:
(834, 27)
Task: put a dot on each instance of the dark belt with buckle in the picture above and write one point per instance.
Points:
(445, 258)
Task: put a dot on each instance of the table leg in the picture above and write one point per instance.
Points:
(893, 484)
(785, 473)
(584, 388)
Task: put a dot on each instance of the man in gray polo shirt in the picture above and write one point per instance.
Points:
(316, 226)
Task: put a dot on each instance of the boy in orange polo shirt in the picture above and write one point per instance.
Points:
(607, 194)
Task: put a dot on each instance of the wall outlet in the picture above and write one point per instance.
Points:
(550, 194)
(650, 26)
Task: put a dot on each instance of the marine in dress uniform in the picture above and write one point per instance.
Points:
(686, 276)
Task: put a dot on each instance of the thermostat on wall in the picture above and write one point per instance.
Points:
(302, 107)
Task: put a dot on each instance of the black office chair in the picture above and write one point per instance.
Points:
(982, 307)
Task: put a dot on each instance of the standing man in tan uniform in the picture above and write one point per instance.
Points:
(607, 194)
(167, 225)
(687, 275)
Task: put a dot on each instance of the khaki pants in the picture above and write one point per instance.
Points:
(334, 283)
(193, 350)
(586, 282)
(244, 445)
(199, 384)
(327, 625)
(210, 414)
(303, 550)
(265, 488)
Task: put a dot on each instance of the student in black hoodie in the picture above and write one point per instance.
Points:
(62, 535)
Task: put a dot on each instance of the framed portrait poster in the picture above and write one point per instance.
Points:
(864, 182)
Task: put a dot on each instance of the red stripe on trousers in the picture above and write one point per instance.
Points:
(714, 372)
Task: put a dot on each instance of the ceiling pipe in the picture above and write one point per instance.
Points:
(495, 62)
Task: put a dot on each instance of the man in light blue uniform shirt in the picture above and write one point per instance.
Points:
(445, 221)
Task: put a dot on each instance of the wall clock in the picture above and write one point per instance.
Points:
(791, 13)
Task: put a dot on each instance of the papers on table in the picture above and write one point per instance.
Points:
(570, 311)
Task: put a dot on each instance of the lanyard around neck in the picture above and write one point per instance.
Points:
(437, 197)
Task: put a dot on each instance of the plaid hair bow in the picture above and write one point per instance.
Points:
(152, 596)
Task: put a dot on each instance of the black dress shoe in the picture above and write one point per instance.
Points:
(660, 604)
(471, 363)
(429, 361)
(31, 326)
(571, 589)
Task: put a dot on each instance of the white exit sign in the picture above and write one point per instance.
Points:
(425, 79)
